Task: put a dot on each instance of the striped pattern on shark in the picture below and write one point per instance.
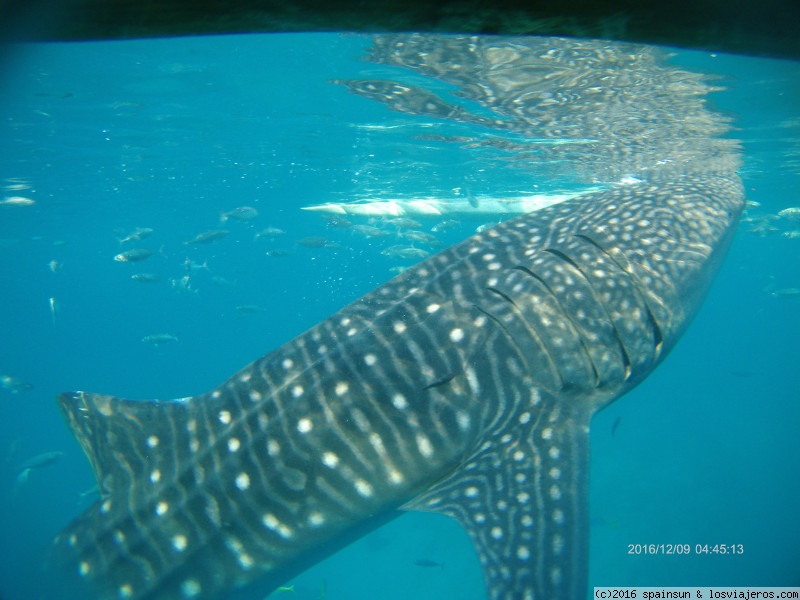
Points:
(465, 386)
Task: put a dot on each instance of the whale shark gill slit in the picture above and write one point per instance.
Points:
(465, 386)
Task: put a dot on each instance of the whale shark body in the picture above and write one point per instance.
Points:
(465, 386)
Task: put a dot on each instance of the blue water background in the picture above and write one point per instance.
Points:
(168, 134)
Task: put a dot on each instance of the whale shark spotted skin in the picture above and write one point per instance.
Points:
(465, 386)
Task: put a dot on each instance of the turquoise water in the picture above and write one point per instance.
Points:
(169, 134)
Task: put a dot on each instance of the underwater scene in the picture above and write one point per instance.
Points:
(174, 209)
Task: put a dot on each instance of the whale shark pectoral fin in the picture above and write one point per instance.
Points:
(523, 499)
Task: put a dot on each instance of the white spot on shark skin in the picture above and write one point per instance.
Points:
(523, 553)
(119, 537)
(463, 420)
(162, 508)
(396, 477)
(363, 488)
(524, 418)
(370, 359)
(424, 446)
(155, 476)
(432, 308)
(457, 335)
(555, 473)
(297, 391)
(255, 396)
(245, 377)
(472, 380)
(376, 441)
(341, 388)
(316, 519)
(191, 588)
(84, 568)
(242, 481)
(399, 401)
(105, 507)
(179, 542)
(287, 363)
(526, 520)
(555, 492)
(554, 452)
(547, 433)
(329, 459)
(558, 516)
(496, 533)
(471, 492)
(224, 417)
(125, 590)
(273, 448)
(558, 544)
(152, 441)
(272, 523)
(399, 327)
(304, 425)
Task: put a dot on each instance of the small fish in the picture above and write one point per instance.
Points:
(240, 213)
(792, 212)
(159, 338)
(135, 255)
(17, 201)
(397, 270)
(336, 221)
(248, 309)
(221, 281)
(444, 225)
(404, 223)
(136, 235)
(270, 233)
(425, 562)
(88, 493)
(405, 252)
(53, 309)
(285, 588)
(313, 241)
(370, 231)
(277, 253)
(146, 277)
(792, 235)
(182, 284)
(14, 385)
(421, 236)
(40, 461)
(785, 293)
(485, 226)
(54, 266)
(190, 265)
(614, 426)
(207, 237)
(15, 184)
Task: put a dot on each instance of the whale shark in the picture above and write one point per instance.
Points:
(465, 386)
